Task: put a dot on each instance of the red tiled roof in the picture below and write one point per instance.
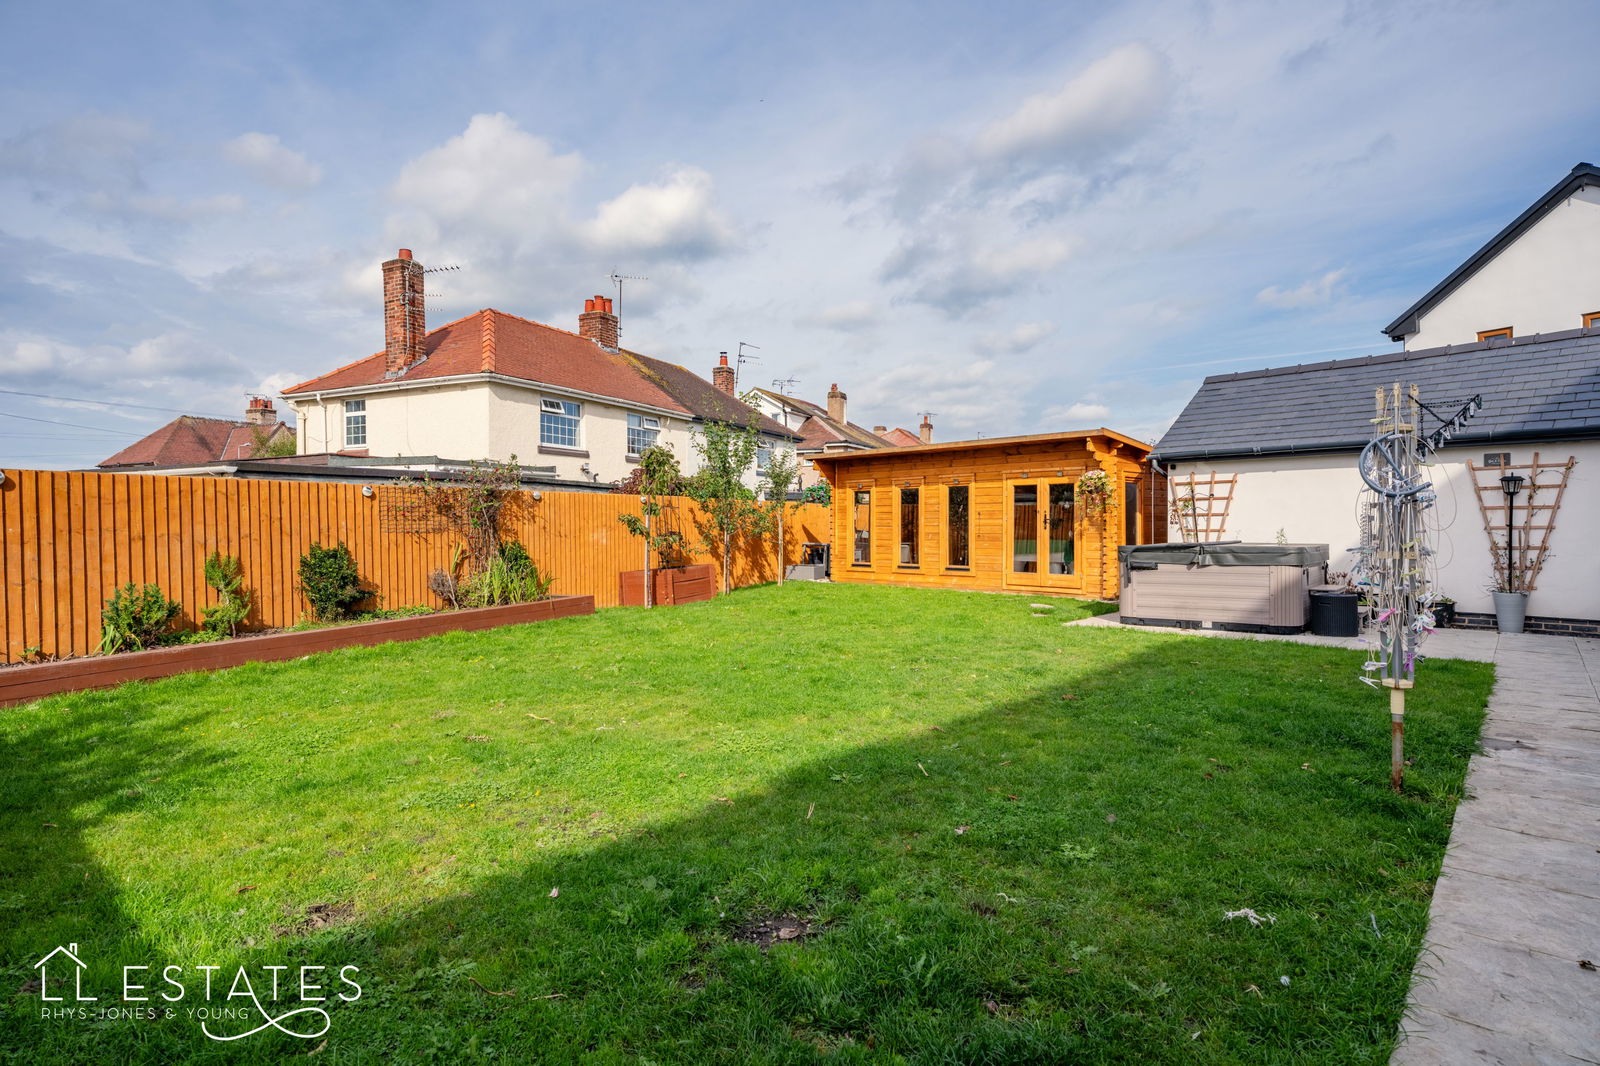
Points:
(494, 342)
(189, 439)
(901, 438)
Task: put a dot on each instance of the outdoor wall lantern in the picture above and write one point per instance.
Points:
(366, 490)
(1510, 484)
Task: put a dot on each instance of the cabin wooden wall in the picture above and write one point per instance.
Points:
(986, 471)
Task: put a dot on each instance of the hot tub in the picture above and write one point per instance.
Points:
(1255, 588)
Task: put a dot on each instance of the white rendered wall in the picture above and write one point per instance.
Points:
(492, 420)
(1312, 499)
(1543, 282)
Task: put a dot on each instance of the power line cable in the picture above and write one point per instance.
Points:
(107, 403)
(77, 425)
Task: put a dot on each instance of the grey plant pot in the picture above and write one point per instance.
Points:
(1510, 609)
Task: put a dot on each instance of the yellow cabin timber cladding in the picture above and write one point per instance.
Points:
(69, 539)
(1027, 530)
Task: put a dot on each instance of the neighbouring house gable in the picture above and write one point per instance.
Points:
(1541, 388)
(1541, 274)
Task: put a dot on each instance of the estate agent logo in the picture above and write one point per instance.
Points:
(290, 993)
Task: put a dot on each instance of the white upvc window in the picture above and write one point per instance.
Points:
(763, 456)
(642, 433)
(355, 423)
(558, 423)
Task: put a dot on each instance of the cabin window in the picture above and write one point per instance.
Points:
(642, 433)
(863, 529)
(1060, 520)
(1130, 512)
(1494, 334)
(1025, 529)
(959, 525)
(355, 423)
(910, 506)
(558, 423)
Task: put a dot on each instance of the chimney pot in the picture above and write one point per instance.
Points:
(597, 322)
(722, 376)
(405, 253)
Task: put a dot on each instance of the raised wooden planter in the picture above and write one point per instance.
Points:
(21, 683)
(672, 584)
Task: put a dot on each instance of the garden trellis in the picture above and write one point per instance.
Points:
(1394, 560)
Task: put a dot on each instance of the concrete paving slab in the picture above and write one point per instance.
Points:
(1428, 1038)
(1558, 865)
(1578, 823)
(1531, 779)
(1474, 906)
(1524, 994)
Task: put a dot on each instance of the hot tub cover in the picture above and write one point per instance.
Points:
(1223, 553)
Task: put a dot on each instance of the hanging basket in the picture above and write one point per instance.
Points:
(1094, 493)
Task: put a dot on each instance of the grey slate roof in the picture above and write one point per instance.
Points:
(1582, 176)
(1541, 387)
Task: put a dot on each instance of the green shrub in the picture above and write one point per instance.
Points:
(223, 574)
(137, 618)
(510, 577)
(329, 581)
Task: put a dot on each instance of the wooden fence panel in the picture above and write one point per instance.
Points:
(71, 539)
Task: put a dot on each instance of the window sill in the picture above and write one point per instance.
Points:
(958, 569)
(634, 459)
(908, 566)
(551, 449)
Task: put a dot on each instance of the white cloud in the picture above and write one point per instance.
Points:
(267, 159)
(1113, 101)
(1019, 339)
(1313, 293)
(494, 175)
(1023, 257)
(674, 218)
(1081, 412)
(849, 317)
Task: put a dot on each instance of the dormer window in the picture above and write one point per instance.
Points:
(558, 423)
(1591, 320)
(1494, 334)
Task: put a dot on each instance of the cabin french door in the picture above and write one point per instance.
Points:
(1042, 545)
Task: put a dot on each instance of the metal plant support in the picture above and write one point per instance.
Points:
(1394, 560)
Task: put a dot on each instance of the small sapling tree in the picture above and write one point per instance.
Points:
(658, 476)
(730, 508)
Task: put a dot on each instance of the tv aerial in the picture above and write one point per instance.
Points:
(617, 280)
(740, 359)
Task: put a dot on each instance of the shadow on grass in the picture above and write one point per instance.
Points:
(1042, 880)
(95, 759)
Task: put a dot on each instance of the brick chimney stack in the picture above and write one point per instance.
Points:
(925, 431)
(260, 412)
(598, 322)
(722, 375)
(880, 430)
(404, 323)
(836, 401)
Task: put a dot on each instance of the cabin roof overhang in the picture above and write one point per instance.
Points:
(1082, 436)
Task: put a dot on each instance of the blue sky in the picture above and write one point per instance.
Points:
(1021, 217)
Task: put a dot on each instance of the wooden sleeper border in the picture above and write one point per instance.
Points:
(19, 684)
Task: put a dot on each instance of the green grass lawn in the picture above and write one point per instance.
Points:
(984, 836)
